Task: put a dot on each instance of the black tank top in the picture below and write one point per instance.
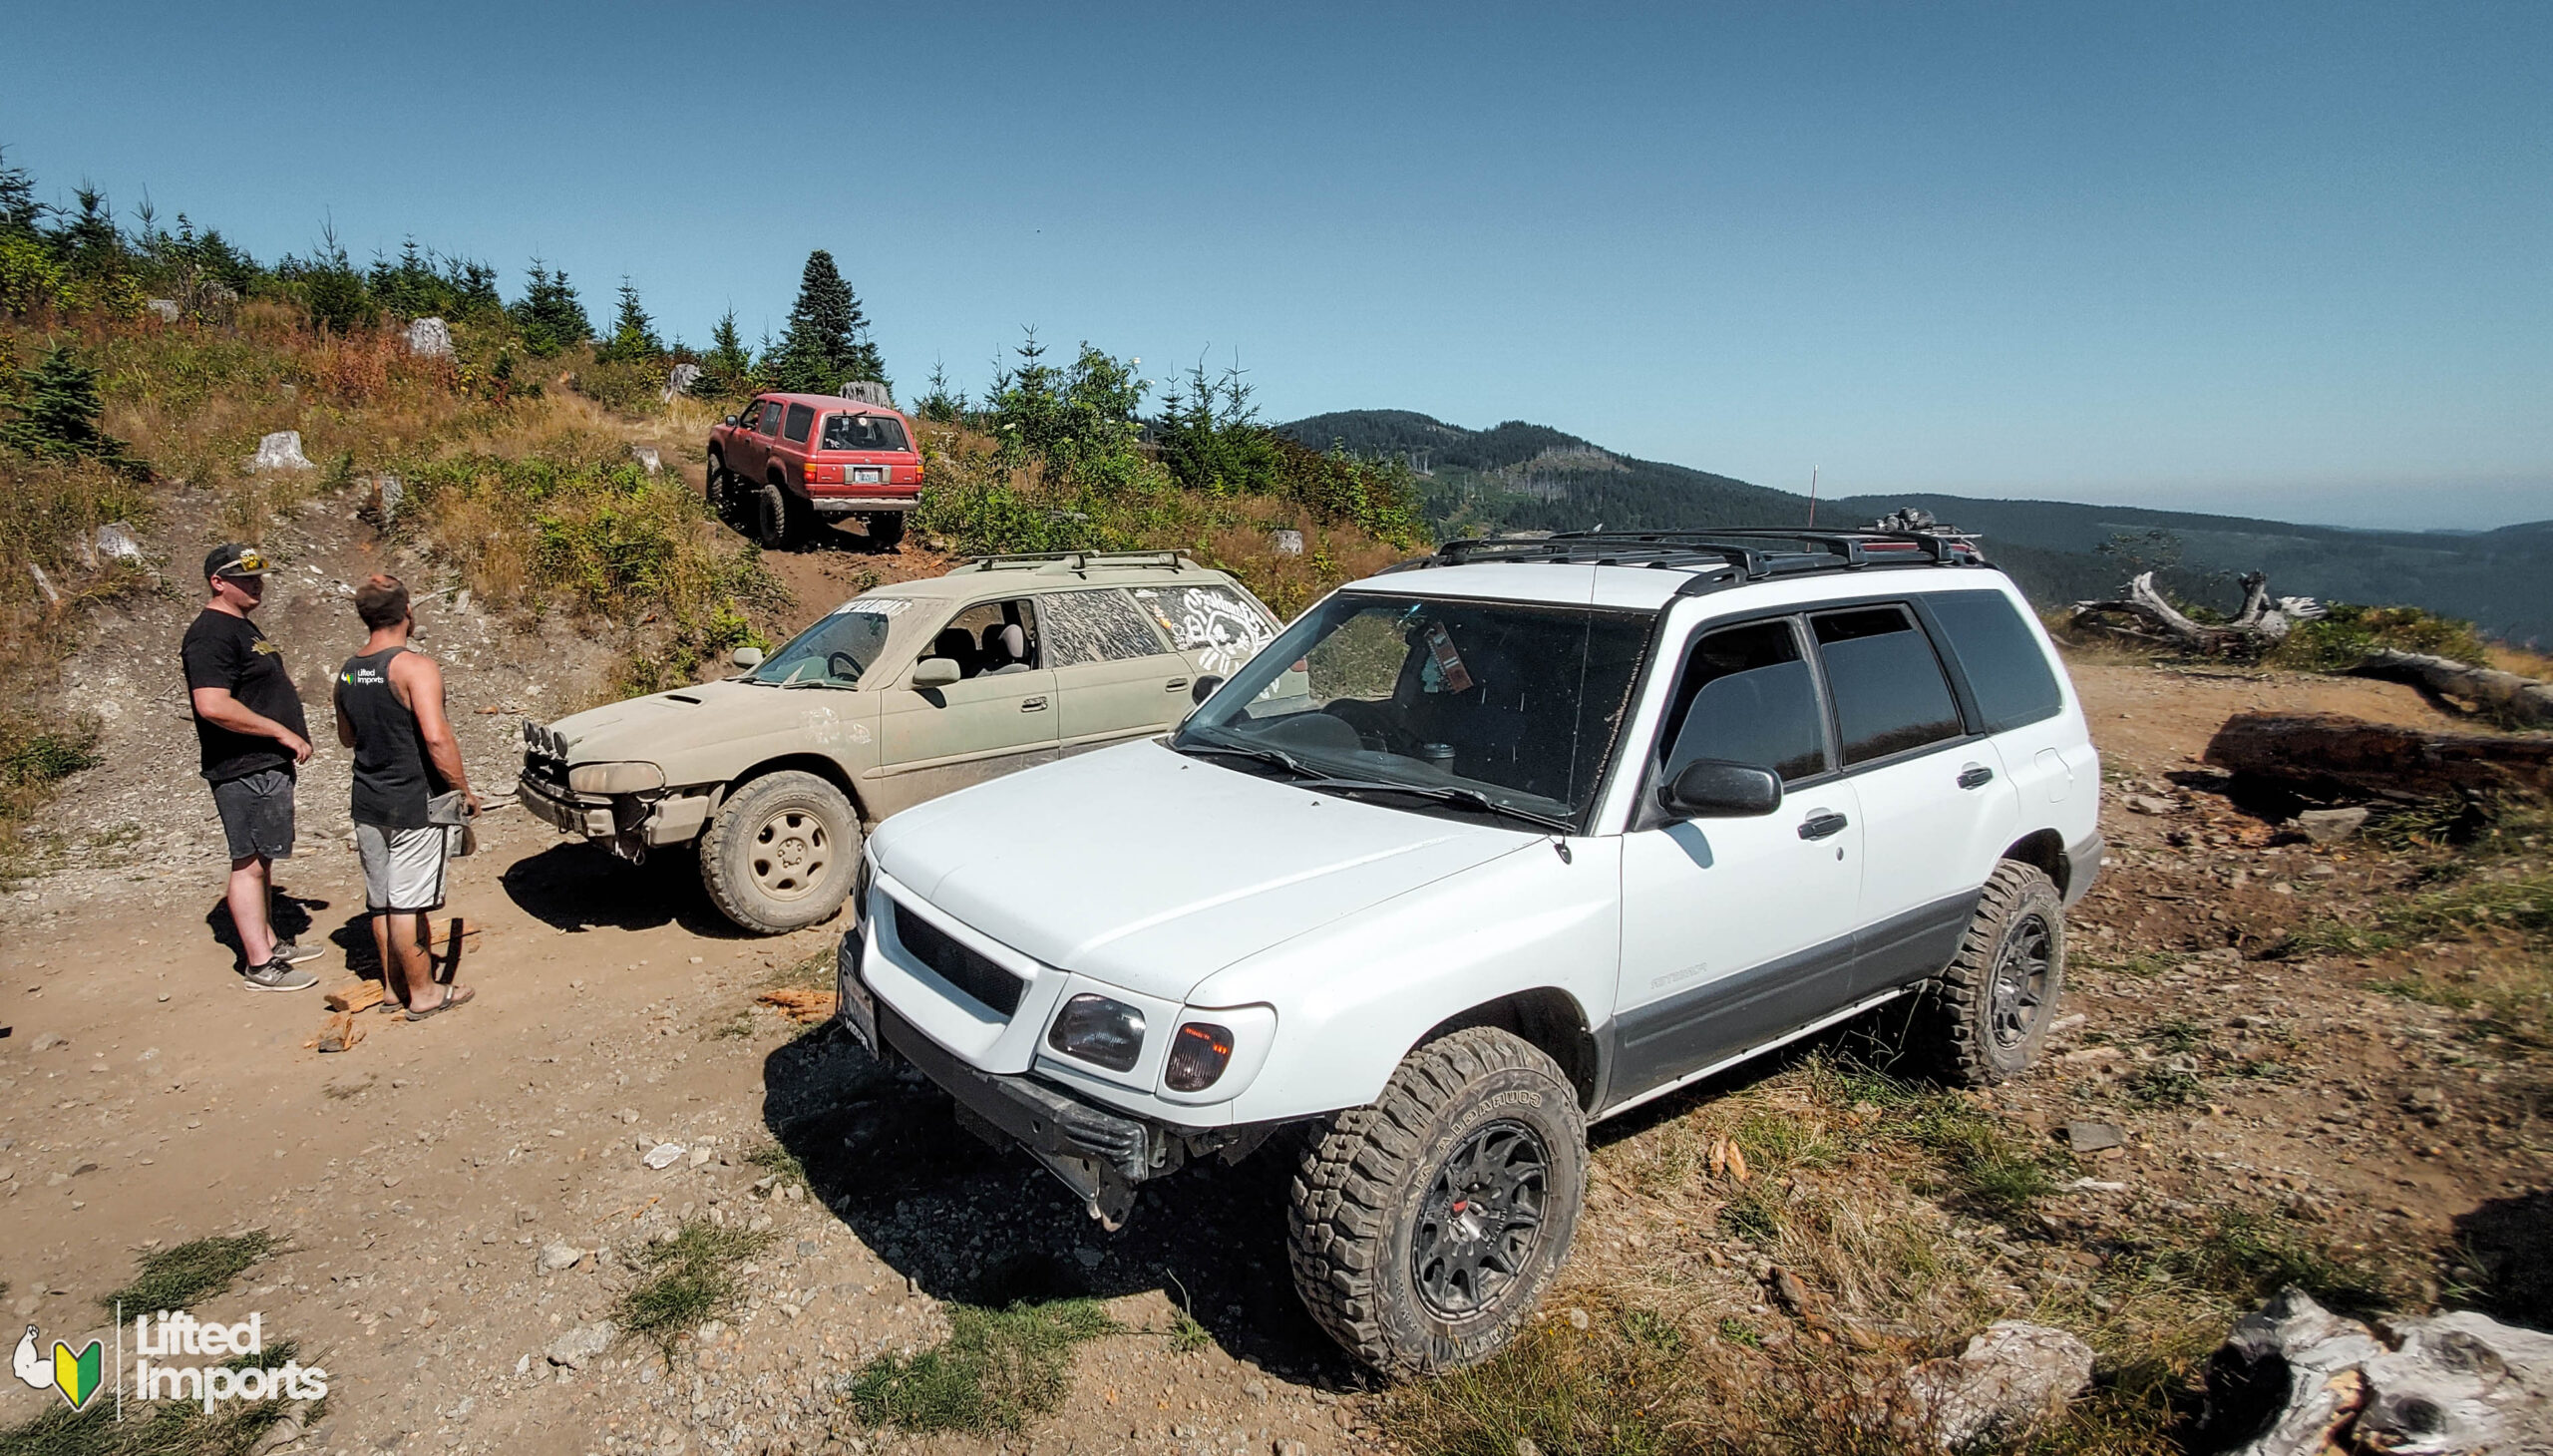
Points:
(392, 776)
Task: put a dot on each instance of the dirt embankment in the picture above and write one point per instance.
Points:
(416, 1180)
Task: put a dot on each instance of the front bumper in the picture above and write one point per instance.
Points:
(628, 823)
(1098, 1153)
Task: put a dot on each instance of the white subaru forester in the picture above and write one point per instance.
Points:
(1481, 851)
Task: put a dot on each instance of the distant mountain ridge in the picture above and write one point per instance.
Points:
(1521, 476)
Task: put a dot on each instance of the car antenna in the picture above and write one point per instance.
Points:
(1812, 494)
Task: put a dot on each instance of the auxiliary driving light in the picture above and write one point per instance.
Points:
(1099, 1030)
(1198, 1055)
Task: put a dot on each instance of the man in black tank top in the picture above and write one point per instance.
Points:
(390, 711)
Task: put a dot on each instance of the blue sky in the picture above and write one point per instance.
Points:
(2287, 259)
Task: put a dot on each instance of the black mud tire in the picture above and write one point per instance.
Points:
(1370, 1194)
(780, 523)
(1983, 1019)
(781, 854)
(716, 484)
(886, 529)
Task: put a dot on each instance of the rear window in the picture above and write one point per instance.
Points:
(2005, 665)
(1890, 695)
(802, 418)
(1218, 623)
(863, 432)
(1094, 626)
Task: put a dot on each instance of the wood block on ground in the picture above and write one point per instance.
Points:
(800, 1005)
(355, 995)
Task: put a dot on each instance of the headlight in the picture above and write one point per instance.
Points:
(616, 778)
(1101, 1031)
(1198, 1055)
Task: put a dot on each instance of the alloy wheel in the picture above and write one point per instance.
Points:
(1480, 1227)
(2019, 990)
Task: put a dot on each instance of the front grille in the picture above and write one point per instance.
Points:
(988, 983)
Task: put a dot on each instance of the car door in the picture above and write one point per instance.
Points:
(996, 719)
(1736, 931)
(1116, 677)
(752, 441)
(2015, 697)
(1937, 809)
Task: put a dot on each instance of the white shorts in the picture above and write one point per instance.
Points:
(403, 868)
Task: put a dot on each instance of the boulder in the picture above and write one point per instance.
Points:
(2295, 1380)
(646, 455)
(430, 338)
(2009, 1379)
(164, 310)
(115, 541)
(1286, 543)
(280, 451)
(679, 381)
(557, 1257)
(2331, 826)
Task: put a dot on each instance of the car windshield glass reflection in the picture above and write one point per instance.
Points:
(837, 649)
(1517, 704)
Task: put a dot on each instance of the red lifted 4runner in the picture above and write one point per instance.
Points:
(795, 458)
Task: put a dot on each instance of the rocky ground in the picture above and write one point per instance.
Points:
(457, 1196)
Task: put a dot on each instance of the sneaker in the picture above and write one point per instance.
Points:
(291, 953)
(275, 975)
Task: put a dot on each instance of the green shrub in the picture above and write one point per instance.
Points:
(2342, 639)
(687, 1279)
(996, 1368)
(188, 1274)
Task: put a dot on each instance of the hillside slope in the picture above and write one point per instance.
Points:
(1521, 476)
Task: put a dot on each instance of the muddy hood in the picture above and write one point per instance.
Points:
(698, 732)
(1151, 870)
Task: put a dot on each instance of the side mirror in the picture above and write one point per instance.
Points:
(935, 672)
(748, 659)
(729, 420)
(1205, 688)
(1712, 788)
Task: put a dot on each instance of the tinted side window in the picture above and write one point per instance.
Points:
(1747, 697)
(1094, 626)
(802, 418)
(1890, 695)
(769, 417)
(2005, 665)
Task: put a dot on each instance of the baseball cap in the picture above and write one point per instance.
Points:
(230, 559)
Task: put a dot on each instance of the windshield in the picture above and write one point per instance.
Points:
(863, 432)
(838, 648)
(1517, 704)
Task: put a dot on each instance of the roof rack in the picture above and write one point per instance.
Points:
(1720, 557)
(1079, 563)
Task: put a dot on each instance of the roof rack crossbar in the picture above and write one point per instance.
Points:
(1726, 557)
(1174, 560)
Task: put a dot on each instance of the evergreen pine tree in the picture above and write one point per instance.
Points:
(828, 339)
(633, 333)
(19, 210)
(727, 369)
(549, 314)
(58, 410)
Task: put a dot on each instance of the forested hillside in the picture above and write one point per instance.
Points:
(1518, 476)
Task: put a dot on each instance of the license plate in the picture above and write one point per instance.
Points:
(867, 475)
(858, 1010)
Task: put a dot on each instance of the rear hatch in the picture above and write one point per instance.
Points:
(866, 454)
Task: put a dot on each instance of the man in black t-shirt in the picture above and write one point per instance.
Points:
(249, 727)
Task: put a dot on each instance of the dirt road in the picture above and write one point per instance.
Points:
(145, 1098)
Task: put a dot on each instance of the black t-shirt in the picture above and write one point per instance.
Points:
(228, 651)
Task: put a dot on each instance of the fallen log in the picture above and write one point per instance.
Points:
(2332, 756)
(2521, 701)
(2143, 614)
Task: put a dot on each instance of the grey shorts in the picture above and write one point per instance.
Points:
(403, 868)
(256, 814)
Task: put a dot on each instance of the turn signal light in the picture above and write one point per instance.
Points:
(1198, 1055)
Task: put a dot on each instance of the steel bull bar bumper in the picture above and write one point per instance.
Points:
(1098, 1154)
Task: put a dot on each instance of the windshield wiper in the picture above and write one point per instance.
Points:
(817, 683)
(1275, 757)
(1443, 794)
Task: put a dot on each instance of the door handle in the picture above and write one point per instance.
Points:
(1033, 705)
(1976, 776)
(1174, 685)
(1821, 824)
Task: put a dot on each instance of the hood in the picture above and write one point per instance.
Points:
(1151, 870)
(708, 733)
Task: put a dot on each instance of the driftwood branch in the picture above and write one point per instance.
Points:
(2523, 701)
(2143, 613)
(2327, 755)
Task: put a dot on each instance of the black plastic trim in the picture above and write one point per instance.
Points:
(987, 984)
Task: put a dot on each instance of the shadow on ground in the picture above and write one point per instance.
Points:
(287, 914)
(577, 886)
(968, 1222)
(2507, 1246)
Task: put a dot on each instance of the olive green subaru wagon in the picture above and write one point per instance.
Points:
(896, 696)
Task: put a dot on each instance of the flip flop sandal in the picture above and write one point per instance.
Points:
(450, 998)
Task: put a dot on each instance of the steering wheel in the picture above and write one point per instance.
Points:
(1373, 731)
(842, 665)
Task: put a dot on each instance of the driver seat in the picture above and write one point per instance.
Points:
(1005, 646)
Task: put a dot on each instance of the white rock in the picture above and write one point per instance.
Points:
(1286, 543)
(280, 451)
(2009, 1379)
(116, 543)
(646, 455)
(663, 1155)
(164, 308)
(583, 1343)
(2295, 1380)
(430, 338)
(2331, 826)
(555, 1256)
(679, 381)
(700, 1156)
